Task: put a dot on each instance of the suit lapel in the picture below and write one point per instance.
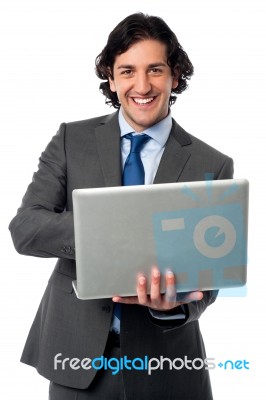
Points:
(109, 149)
(108, 141)
(175, 156)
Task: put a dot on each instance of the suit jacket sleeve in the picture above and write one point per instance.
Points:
(42, 226)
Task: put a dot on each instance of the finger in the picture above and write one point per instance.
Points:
(155, 294)
(183, 298)
(170, 289)
(126, 300)
(142, 290)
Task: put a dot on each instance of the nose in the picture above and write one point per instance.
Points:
(142, 84)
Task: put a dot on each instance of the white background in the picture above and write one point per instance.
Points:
(47, 76)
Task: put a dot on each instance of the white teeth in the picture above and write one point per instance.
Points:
(143, 101)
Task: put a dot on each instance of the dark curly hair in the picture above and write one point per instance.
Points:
(131, 30)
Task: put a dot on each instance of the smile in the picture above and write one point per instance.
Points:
(143, 101)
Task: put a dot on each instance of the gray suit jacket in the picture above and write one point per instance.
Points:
(86, 154)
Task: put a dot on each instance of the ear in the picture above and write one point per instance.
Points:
(112, 84)
(174, 83)
(175, 78)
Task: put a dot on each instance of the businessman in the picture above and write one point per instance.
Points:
(143, 67)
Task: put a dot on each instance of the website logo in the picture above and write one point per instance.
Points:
(149, 365)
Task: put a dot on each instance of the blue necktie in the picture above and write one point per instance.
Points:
(133, 170)
(133, 174)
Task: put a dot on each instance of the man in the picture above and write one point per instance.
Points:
(143, 66)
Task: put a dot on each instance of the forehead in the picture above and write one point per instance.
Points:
(146, 51)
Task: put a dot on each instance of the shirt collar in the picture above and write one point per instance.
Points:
(159, 132)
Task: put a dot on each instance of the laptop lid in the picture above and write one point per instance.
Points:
(197, 229)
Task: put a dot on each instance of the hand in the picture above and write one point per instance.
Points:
(156, 300)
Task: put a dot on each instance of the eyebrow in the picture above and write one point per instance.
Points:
(131, 66)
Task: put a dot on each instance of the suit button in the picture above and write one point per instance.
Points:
(63, 249)
(67, 249)
(106, 309)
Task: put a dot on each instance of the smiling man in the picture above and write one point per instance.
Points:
(154, 338)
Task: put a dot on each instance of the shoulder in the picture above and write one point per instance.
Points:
(83, 130)
(203, 159)
(204, 149)
(91, 123)
(195, 145)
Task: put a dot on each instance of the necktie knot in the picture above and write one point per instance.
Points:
(137, 142)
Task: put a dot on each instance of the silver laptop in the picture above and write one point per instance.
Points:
(197, 229)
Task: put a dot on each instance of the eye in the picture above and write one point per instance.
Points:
(156, 71)
(127, 72)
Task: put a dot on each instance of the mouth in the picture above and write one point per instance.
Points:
(143, 101)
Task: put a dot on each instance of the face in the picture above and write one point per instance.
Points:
(143, 82)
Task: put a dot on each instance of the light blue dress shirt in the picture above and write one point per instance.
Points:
(152, 151)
